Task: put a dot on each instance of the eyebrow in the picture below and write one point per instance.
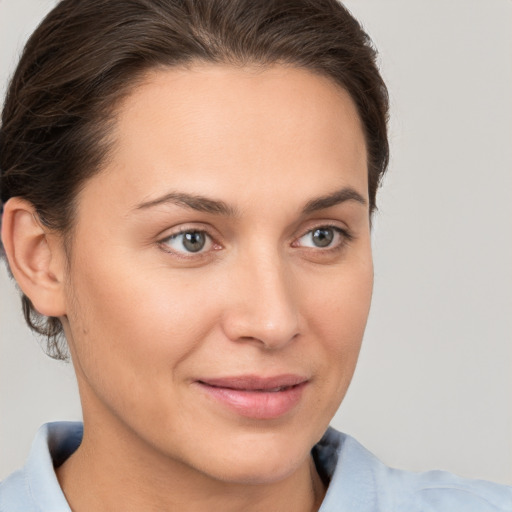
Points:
(194, 202)
(330, 200)
(217, 207)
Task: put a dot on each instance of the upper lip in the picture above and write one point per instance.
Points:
(255, 382)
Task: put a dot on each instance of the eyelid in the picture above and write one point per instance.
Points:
(330, 224)
(187, 227)
(182, 229)
(345, 234)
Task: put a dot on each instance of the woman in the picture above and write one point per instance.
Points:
(187, 192)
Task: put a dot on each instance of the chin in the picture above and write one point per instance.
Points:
(257, 471)
(255, 459)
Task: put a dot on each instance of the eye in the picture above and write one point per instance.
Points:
(190, 241)
(323, 237)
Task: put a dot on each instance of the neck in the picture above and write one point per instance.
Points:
(112, 471)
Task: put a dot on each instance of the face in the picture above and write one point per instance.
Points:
(221, 273)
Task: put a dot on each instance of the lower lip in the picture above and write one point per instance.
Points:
(262, 405)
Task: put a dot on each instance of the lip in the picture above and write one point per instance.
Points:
(256, 397)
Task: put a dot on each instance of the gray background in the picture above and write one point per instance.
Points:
(433, 387)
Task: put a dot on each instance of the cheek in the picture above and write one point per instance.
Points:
(340, 302)
(128, 326)
(338, 315)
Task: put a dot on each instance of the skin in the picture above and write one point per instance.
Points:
(145, 319)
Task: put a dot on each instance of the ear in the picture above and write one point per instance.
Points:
(36, 257)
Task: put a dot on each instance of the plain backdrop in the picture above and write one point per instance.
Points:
(433, 388)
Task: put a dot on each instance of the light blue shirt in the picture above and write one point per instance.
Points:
(359, 482)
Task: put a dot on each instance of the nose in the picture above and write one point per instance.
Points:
(262, 304)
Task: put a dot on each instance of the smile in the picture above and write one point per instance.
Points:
(256, 397)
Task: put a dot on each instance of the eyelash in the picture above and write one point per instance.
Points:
(344, 234)
(188, 255)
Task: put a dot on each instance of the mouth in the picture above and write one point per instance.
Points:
(256, 397)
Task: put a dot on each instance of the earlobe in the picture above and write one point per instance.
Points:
(35, 257)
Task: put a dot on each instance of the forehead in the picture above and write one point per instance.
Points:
(209, 126)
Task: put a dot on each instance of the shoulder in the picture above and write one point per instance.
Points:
(15, 493)
(35, 487)
(440, 491)
(360, 481)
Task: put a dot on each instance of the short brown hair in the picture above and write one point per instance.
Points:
(86, 55)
